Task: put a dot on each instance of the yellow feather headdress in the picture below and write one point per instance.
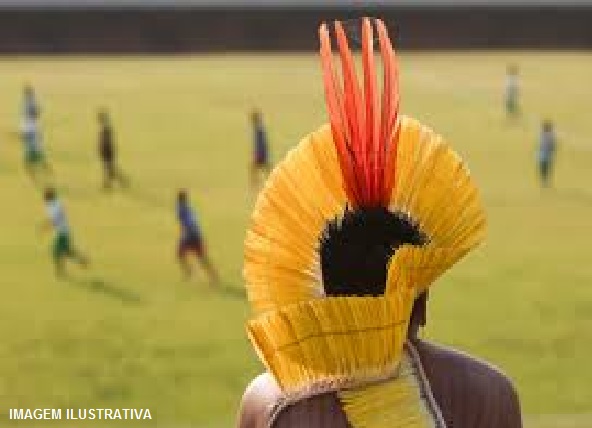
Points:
(368, 158)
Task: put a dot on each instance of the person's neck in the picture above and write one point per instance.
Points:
(413, 332)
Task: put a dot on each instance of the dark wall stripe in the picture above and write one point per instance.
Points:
(199, 30)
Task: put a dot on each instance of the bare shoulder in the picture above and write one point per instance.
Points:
(469, 389)
(257, 402)
(263, 405)
(437, 356)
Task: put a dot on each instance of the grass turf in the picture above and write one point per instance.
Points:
(129, 333)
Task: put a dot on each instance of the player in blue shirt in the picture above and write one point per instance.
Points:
(191, 240)
(260, 164)
(547, 150)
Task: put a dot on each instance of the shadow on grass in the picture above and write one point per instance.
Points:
(139, 195)
(577, 195)
(75, 192)
(233, 292)
(98, 285)
(145, 198)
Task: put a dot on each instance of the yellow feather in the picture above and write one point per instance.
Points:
(281, 246)
(339, 340)
(395, 403)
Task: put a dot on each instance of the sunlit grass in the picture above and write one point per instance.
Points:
(129, 333)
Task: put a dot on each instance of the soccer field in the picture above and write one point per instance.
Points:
(129, 333)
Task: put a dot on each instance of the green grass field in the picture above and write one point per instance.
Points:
(130, 333)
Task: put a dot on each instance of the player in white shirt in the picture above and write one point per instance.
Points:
(34, 156)
(62, 248)
(512, 91)
(546, 152)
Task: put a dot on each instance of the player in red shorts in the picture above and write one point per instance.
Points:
(191, 240)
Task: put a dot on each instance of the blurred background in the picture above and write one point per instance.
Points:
(174, 26)
(117, 292)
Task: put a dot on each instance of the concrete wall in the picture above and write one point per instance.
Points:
(206, 30)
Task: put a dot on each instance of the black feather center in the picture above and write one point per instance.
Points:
(356, 248)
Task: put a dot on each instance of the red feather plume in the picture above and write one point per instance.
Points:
(362, 125)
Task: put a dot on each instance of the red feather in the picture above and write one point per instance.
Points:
(362, 127)
(390, 112)
(337, 115)
(372, 119)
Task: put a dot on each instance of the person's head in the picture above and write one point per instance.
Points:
(182, 197)
(28, 90)
(256, 116)
(103, 116)
(357, 247)
(547, 125)
(512, 69)
(49, 194)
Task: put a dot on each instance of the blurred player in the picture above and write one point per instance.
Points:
(111, 171)
(62, 248)
(191, 239)
(33, 154)
(512, 91)
(260, 161)
(547, 149)
(31, 109)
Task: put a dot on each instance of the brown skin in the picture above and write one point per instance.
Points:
(470, 393)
